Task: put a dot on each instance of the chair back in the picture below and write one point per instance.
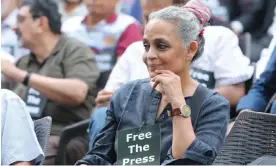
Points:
(67, 134)
(102, 80)
(252, 136)
(42, 130)
(245, 44)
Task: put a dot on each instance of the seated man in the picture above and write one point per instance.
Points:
(9, 42)
(105, 32)
(19, 145)
(69, 9)
(222, 67)
(262, 91)
(58, 78)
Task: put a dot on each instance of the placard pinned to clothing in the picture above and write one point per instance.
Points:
(139, 146)
(206, 78)
(35, 103)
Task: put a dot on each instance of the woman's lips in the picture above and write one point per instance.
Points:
(154, 67)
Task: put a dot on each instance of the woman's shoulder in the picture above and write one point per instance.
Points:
(215, 103)
(214, 97)
(205, 100)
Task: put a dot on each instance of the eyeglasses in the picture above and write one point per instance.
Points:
(22, 18)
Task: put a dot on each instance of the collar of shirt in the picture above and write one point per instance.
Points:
(11, 19)
(110, 20)
(32, 57)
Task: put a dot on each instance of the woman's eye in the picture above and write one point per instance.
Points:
(146, 46)
(162, 46)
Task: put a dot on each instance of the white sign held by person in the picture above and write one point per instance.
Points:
(35, 102)
(139, 146)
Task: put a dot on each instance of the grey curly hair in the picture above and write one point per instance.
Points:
(187, 22)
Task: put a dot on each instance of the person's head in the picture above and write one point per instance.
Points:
(173, 37)
(7, 6)
(149, 6)
(37, 18)
(100, 7)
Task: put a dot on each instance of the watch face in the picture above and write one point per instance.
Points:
(185, 110)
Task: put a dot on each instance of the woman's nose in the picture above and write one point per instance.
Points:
(151, 54)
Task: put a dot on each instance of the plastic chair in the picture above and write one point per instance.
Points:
(67, 134)
(252, 136)
(245, 44)
(42, 130)
(102, 80)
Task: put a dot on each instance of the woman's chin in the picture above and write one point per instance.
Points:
(152, 74)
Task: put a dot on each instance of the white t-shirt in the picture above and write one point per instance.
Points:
(80, 10)
(9, 40)
(222, 57)
(272, 28)
(265, 56)
(18, 139)
(129, 67)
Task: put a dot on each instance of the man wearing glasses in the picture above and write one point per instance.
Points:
(58, 78)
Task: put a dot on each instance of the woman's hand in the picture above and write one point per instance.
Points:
(103, 98)
(170, 86)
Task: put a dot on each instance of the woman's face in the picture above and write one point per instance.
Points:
(164, 49)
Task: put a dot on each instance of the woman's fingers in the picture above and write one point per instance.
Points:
(99, 105)
(160, 79)
(155, 84)
(154, 79)
(103, 98)
(105, 92)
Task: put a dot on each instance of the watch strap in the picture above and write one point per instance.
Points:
(26, 79)
(174, 112)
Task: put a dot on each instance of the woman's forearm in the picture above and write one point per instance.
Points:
(183, 136)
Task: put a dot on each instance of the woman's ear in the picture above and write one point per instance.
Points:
(192, 50)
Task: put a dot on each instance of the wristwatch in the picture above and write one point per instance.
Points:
(184, 111)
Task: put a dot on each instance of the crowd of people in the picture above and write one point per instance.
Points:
(173, 67)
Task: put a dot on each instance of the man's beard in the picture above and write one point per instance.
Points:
(20, 41)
